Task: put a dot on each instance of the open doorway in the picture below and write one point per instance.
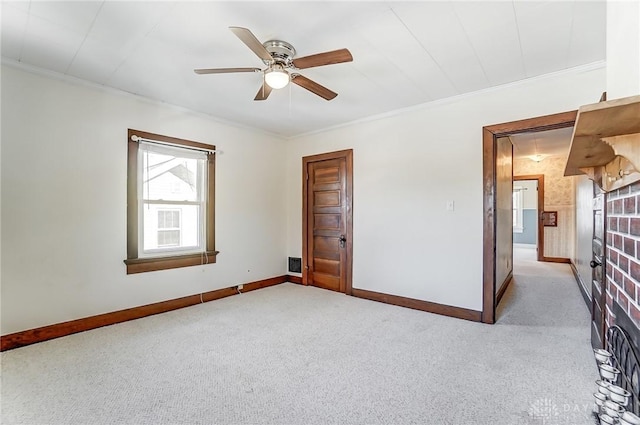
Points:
(493, 201)
(528, 204)
(541, 155)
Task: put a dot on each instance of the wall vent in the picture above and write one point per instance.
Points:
(295, 265)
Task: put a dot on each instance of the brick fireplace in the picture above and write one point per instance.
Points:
(623, 255)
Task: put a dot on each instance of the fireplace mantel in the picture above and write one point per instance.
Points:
(606, 143)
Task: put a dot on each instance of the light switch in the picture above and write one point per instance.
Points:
(450, 205)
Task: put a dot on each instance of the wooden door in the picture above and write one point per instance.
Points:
(598, 270)
(327, 232)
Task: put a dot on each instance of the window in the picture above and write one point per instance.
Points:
(517, 209)
(172, 206)
(170, 203)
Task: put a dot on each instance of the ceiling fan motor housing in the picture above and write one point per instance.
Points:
(281, 51)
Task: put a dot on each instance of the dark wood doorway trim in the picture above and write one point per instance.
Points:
(490, 134)
(348, 156)
(540, 208)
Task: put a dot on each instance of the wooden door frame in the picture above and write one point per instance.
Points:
(490, 134)
(603, 268)
(347, 154)
(539, 210)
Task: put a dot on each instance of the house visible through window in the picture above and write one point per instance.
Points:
(168, 228)
(170, 203)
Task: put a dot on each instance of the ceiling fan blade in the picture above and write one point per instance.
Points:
(326, 58)
(312, 86)
(225, 70)
(252, 42)
(264, 92)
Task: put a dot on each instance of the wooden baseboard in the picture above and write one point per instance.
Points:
(556, 260)
(581, 286)
(503, 288)
(445, 310)
(265, 283)
(32, 336)
(294, 279)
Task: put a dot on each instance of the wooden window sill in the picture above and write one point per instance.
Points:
(141, 265)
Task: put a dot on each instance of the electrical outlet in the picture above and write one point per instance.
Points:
(450, 205)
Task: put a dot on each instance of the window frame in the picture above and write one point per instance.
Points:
(135, 263)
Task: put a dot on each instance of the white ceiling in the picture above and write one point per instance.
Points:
(549, 143)
(405, 53)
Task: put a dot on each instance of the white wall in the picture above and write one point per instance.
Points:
(406, 166)
(623, 49)
(64, 174)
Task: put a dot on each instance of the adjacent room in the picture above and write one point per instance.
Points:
(318, 212)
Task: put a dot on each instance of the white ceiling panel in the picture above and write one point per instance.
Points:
(19, 4)
(545, 35)
(203, 40)
(546, 143)
(494, 39)
(96, 61)
(405, 52)
(151, 71)
(587, 43)
(14, 23)
(438, 29)
(48, 56)
(121, 24)
(49, 45)
(393, 86)
(77, 16)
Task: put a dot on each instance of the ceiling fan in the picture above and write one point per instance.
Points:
(281, 66)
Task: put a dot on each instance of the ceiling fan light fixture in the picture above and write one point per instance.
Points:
(276, 77)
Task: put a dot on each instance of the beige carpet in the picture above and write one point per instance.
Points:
(299, 355)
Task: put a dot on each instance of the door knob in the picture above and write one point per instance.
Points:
(595, 264)
(343, 241)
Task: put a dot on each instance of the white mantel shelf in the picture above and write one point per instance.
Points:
(606, 143)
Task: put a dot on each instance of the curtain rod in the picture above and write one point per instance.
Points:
(139, 139)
